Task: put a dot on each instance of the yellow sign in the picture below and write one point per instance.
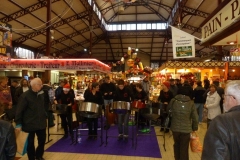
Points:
(223, 19)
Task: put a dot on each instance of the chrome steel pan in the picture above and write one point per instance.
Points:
(120, 105)
(88, 107)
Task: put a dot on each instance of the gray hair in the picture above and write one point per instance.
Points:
(233, 88)
(35, 81)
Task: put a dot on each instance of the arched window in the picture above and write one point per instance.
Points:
(24, 53)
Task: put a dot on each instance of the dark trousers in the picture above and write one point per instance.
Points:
(41, 137)
(208, 122)
(67, 123)
(92, 126)
(163, 117)
(181, 144)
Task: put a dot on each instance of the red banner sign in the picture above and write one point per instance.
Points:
(56, 64)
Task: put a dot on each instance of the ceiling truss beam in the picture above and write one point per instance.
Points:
(95, 39)
(55, 25)
(25, 11)
(70, 36)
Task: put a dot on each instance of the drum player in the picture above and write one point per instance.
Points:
(93, 96)
(123, 93)
(67, 98)
(141, 96)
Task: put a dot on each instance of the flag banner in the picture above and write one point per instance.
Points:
(183, 44)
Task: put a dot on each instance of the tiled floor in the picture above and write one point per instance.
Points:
(166, 155)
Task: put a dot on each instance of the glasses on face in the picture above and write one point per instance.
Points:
(40, 85)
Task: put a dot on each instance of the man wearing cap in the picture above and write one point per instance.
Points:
(66, 98)
(165, 97)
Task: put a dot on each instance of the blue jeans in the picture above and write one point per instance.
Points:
(123, 120)
(199, 107)
(108, 101)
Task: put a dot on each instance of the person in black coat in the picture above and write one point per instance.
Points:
(67, 98)
(107, 89)
(140, 95)
(123, 93)
(31, 117)
(165, 97)
(48, 100)
(93, 96)
(199, 100)
(186, 89)
(24, 86)
(8, 146)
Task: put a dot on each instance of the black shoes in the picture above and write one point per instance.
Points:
(120, 137)
(162, 130)
(125, 137)
(65, 136)
(167, 130)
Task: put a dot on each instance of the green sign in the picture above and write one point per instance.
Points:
(184, 51)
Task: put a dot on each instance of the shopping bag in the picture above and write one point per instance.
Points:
(22, 141)
(195, 143)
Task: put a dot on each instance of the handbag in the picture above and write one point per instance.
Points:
(22, 141)
(167, 120)
(195, 143)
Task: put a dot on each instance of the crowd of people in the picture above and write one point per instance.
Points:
(27, 104)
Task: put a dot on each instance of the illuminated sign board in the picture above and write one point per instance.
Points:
(56, 64)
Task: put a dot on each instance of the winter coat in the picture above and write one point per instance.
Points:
(222, 140)
(198, 94)
(31, 113)
(213, 105)
(8, 145)
(184, 114)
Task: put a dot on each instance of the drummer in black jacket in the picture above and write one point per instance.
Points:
(141, 95)
(93, 96)
(123, 93)
(67, 98)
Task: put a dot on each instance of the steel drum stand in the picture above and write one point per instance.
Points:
(149, 117)
(49, 134)
(117, 137)
(78, 128)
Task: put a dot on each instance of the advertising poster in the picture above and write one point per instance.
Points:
(183, 44)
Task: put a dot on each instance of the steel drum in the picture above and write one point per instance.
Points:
(59, 108)
(120, 105)
(138, 104)
(89, 109)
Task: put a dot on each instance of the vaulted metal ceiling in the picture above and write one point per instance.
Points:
(76, 26)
